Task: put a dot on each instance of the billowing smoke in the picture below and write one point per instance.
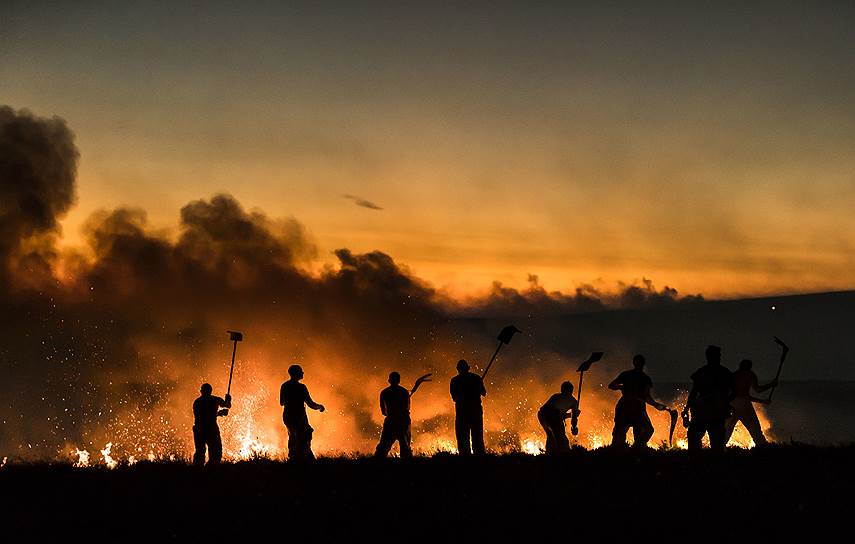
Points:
(38, 165)
(116, 349)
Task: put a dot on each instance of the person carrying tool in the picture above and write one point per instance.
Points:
(744, 380)
(395, 405)
(206, 432)
(552, 415)
(631, 410)
(467, 389)
(709, 402)
(294, 397)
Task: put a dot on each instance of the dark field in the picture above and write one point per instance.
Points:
(779, 491)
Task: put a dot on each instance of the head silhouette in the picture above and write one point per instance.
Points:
(713, 354)
(206, 389)
(462, 366)
(745, 364)
(295, 371)
(638, 361)
(567, 388)
(394, 378)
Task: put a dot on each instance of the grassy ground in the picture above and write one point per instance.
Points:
(778, 491)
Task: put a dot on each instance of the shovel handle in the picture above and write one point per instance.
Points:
(232, 369)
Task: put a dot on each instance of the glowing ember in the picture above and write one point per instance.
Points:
(108, 459)
(82, 458)
(251, 447)
(532, 447)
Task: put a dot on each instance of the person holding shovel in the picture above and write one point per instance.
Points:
(744, 380)
(552, 414)
(206, 432)
(294, 397)
(467, 388)
(395, 405)
(709, 402)
(631, 410)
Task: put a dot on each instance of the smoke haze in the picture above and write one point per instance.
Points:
(110, 342)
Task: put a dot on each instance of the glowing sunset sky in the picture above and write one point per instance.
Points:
(711, 149)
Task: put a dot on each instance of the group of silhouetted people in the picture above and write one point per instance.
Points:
(718, 400)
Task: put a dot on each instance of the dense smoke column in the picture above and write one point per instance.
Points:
(117, 349)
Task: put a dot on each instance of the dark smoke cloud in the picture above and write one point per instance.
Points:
(535, 300)
(362, 202)
(119, 347)
(38, 165)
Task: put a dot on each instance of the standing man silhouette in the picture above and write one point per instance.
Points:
(206, 432)
(631, 410)
(395, 405)
(294, 397)
(744, 380)
(709, 402)
(552, 415)
(466, 391)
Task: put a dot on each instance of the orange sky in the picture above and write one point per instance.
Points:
(712, 151)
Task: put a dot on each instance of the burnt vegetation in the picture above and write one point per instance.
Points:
(779, 490)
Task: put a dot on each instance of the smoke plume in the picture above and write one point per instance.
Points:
(116, 349)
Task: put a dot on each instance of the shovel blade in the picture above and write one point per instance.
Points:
(586, 364)
(507, 333)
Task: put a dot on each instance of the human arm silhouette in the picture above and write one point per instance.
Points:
(617, 384)
(382, 404)
(648, 398)
(690, 400)
(761, 388)
(225, 403)
(312, 404)
(483, 389)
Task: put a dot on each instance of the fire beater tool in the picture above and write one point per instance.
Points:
(504, 338)
(235, 337)
(785, 349)
(421, 380)
(584, 367)
(673, 413)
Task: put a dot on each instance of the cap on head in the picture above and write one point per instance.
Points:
(638, 361)
(206, 389)
(745, 364)
(394, 378)
(566, 388)
(462, 365)
(713, 354)
(295, 371)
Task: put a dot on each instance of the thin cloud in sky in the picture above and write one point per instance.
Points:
(359, 201)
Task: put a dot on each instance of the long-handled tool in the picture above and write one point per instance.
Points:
(504, 338)
(785, 349)
(235, 337)
(584, 367)
(421, 380)
(673, 413)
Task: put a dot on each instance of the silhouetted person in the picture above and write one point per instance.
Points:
(395, 405)
(631, 410)
(206, 432)
(744, 380)
(294, 397)
(466, 391)
(709, 402)
(552, 415)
